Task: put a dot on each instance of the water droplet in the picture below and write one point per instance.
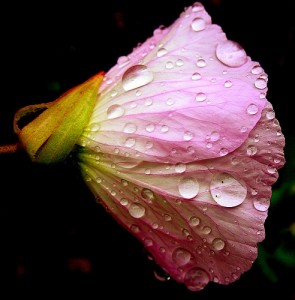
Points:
(148, 242)
(256, 70)
(136, 76)
(136, 210)
(201, 63)
(180, 168)
(170, 101)
(134, 228)
(124, 182)
(260, 83)
(181, 256)
(169, 65)
(194, 221)
(179, 63)
(207, 230)
(188, 187)
(270, 115)
(164, 128)
(198, 24)
(188, 136)
(252, 109)
(218, 244)
(148, 102)
(227, 191)
(251, 150)
(147, 195)
(130, 128)
(115, 111)
(223, 152)
(124, 201)
(167, 218)
(228, 84)
(122, 61)
(130, 142)
(155, 225)
(196, 279)
(149, 145)
(150, 127)
(231, 54)
(196, 76)
(201, 97)
(261, 204)
(271, 169)
(214, 136)
(161, 52)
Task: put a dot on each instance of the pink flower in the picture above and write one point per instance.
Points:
(182, 149)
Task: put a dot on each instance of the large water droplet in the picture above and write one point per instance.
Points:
(198, 24)
(251, 150)
(214, 136)
(196, 279)
(130, 142)
(147, 194)
(115, 111)
(196, 76)
(218, 244)
(201, 63)
(200, 97)
(227, 191)
(231, 54)
(188, 136)
(261, 204)
(136, 210)
(188, 187)
(181, 256)
(136, 76)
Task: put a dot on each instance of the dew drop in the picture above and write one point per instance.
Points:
(134, 228)
(198, 24)
(180, 168)
(196, 76)
(194, 221)
(161, 52)
(214, 136)
(122, 61)
(271, 169)
(231, 54)
(170, 101)
(197, 6)
(251, 150)
(252, 109)
(147, 195)
(201, 63)
(136, 210)
(196, 279)
(223, 152)
(200, 97)
(218, 244)
(207, 230)
(260, 83)
(124, 201)
(148, 102)
(228, 84)
(188, 136)
(179, 63)
(227, 191)
(149, 145)
(136, 76)
(150, 127)
(130, 128)
(130, 142)
(270, 115)
(188, 187)
(169, 65)
(164, 128)
(115, 111)
(148, 242)
(181, 256)
(261, 204)
(256, 70)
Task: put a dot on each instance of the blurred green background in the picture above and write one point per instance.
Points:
(57, 241)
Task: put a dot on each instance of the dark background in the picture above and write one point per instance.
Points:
(56, 240)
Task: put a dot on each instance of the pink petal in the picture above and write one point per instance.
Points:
(190, 179)
(185, 94)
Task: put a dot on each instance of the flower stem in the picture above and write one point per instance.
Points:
(10, 149)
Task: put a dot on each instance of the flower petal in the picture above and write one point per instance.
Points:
(186, 94)
(201, 221)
